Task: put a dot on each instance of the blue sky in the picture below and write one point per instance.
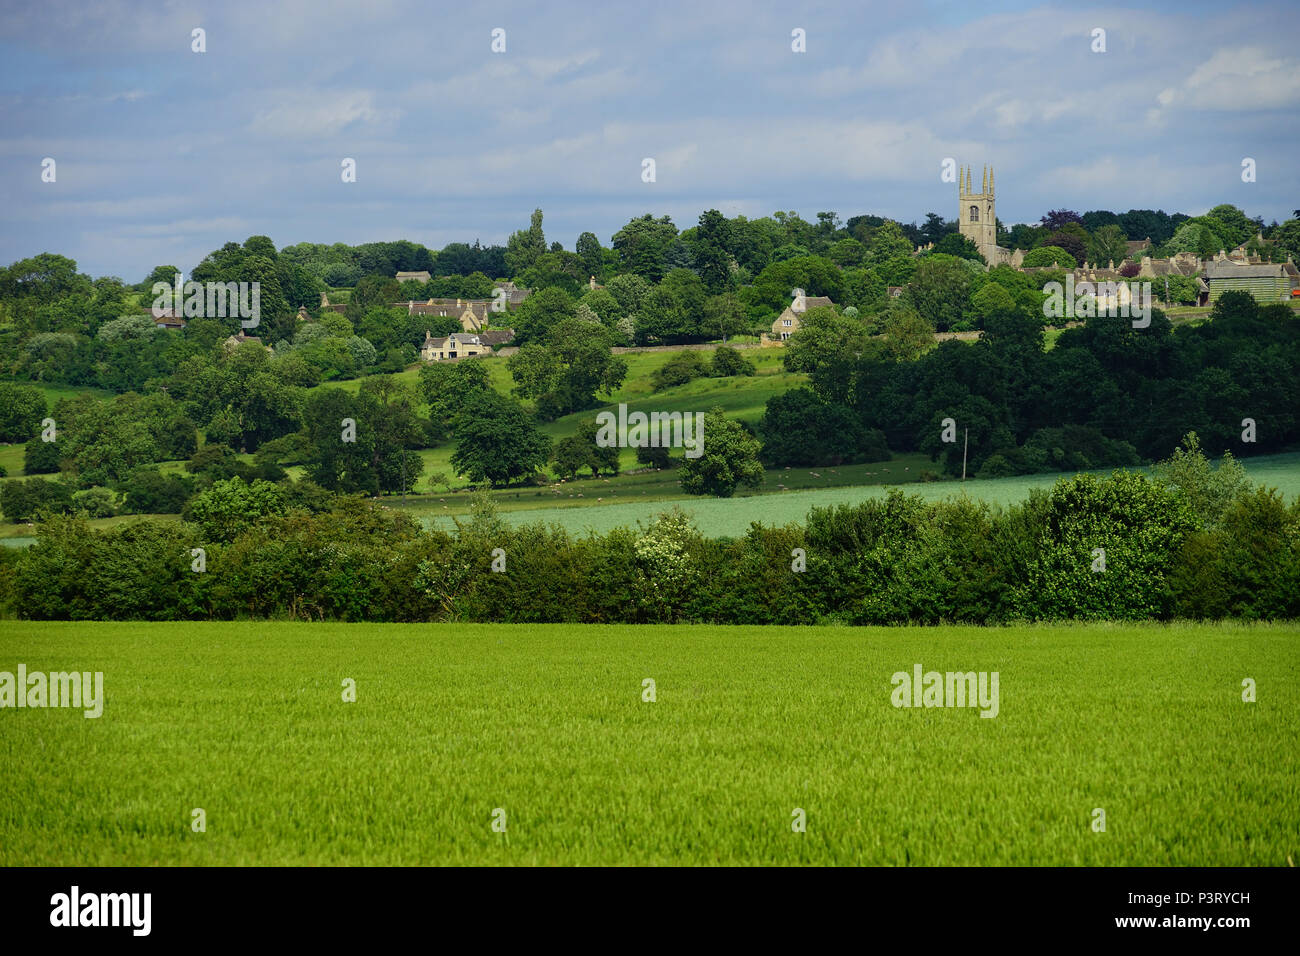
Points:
(164, 154)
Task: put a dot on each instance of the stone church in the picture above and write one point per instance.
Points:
(978, 221)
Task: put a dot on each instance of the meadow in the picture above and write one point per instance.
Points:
(549, 725)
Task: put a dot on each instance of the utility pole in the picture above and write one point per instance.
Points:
(964, 445)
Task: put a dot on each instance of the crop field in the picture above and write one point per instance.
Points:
(546, 731)
(717, 517)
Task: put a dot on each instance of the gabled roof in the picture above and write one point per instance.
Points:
(1224, 269)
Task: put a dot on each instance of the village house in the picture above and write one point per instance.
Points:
(421, 276)
(462, 345)
(514, 294)
(474, 314)
(238, 339)
(168, 319)
(787, 323)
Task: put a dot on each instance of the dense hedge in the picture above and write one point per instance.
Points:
(896, 559)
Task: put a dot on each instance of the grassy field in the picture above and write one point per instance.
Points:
(547, 723)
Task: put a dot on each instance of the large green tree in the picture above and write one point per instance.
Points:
(729, 459)
(496, 441)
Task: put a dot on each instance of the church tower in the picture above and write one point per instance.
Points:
(978, 222)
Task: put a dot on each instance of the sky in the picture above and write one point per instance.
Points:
(162, 154)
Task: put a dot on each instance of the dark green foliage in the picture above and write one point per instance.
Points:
(148, 491)
(41, 457)
(496, 441)
(800, 428)
(27, 500)
(22, 407)
(678, 370)
(290, 551)
(728, 362)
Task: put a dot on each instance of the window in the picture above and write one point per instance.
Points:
(785, 322)
(974, 213)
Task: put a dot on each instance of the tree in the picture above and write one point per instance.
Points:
(148, 491)
(955, 244)
(591, 256)
(229, 507)
(729, 459)
(41, 457)
(847, 253)
(565, 373)
(525, 246)
(126, 328)
(1197, 237)
(724, 315)
(800, 428)
(710, 243)
(341, 432)
(643, 246)
(907, 334)
(1108, 244)
(656, 456)
(887, 242)
(1073, 239)
(581, 450)
(26, 500)
(935, 228)
(446, 387)
(1049, 256)
(496, 441)
(1209, 491)
(940, 290)
(22, 408)
(165, 274)
(1287, 237)
(824, 335)
(1055, 219)
(541, 312)
(1231, 224)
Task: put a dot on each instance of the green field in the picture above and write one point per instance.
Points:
(547, 723)
(717, 517)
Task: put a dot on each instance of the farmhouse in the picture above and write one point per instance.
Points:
(463, 345)
(787, 323)
(420, 276)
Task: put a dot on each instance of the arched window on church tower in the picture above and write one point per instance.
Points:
(974, 213)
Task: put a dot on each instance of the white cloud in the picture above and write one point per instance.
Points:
(303, 114)
(1244, 79)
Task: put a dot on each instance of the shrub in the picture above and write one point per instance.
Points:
(678, 370)
(728, 362)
